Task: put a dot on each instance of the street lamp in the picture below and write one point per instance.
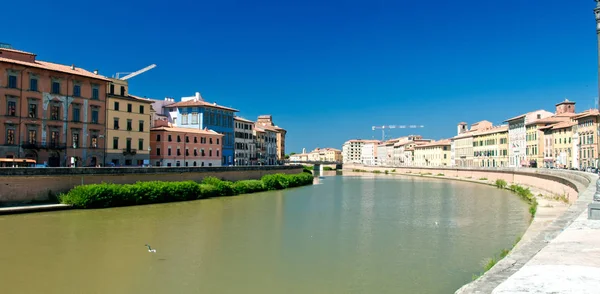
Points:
(597, 14)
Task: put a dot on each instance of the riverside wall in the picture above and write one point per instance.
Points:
(578, 186)
(22, 185)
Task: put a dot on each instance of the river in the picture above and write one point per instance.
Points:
(376, 234)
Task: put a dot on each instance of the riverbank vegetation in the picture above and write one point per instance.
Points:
(491, 262)
(114, 195)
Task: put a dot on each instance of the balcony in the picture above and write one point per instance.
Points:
(31, 145)
(129, 151)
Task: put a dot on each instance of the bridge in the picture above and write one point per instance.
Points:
(316, 164)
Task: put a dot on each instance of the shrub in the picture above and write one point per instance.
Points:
(113, 195)
(394, 170)
(377, 171)
(440, 175)
(500, 184)
(386, 172)
(483, 179)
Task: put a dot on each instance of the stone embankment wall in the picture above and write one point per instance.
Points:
(554, 181)
(18, 185)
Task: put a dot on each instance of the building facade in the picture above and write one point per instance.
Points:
(587, 133)
(195, 113)
(432, 154)
(369, 153)
(128, 126)
(352, 151)
(490, 147)
(517, 136)
(245, 147)
(561, 146)
(173, 146)
(52, 113)
(266, 122)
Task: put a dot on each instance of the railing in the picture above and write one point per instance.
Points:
(129, 151)
(47, 145)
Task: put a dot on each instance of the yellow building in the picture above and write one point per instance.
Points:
(587, 134)
(562, 143)
(490, 147)
(433, 154)
(332, 154)
(127, 126)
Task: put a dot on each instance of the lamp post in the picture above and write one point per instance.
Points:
(594, 207)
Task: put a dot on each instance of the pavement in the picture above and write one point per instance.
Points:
(33, 208)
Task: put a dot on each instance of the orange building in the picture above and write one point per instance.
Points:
(52, 113)
(173, 146)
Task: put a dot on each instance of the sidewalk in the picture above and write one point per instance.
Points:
(33, 208)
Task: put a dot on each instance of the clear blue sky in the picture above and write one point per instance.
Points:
(329, 70)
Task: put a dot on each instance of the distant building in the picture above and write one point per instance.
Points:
(587, 134)
(128, 126)
(369, 153)
(352, 151)
(52, 113)
(517, 136)
(490, 147)
(174, 146)
(266, 122)
(463, 143)
(433, 154)
(245, 147)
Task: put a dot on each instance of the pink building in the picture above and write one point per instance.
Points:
(173, 146)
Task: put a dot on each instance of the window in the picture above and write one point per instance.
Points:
(169, 139)
(158, 151)
(178, 138)
(128, 143)
(10, 137)
(116, 123)
(12, 108)
(129, 125)
(116, 143)
(94, 141)
(75, 139)
(217, 152)
(210, 152)
(178, 151)
(195, 152)
(142, 109)
(187, 152)
(12, 82)
(32, 110)
(169, 151)
(158, 137)
(76, 113)
(210, 140)
(116, 105)
(122, 91)
(94, 115)
(195, 139)
(217, 141)
(55, 87)
(184, 119)
(112, 88)
(202, 152)
(141, 125)
(54, 112)
(32, 136)
(54, 138)
(33, 84)
(141, 144)
(95, 92)
(129, 107)
(77, 90)
(194, 118)
(187, 139)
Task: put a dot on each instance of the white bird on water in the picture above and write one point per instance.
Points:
(150, 249)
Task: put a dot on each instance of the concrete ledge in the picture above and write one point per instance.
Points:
(594, 211)
(33, 208)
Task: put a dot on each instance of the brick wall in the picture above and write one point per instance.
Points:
(28, 184)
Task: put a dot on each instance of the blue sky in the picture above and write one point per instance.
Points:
(329, 70)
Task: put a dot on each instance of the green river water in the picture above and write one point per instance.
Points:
(375, 234)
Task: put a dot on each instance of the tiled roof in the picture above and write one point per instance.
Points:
(549, 120)
(564, 124)
(17, 51)
(196, 103)
(443, 142)
(516, 117)
(55, 67)
(464, 135)
(492, 130)
(238, 118)
(141, 99)
(589, 112)
(185, 130)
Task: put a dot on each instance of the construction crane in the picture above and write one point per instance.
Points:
(135, 73)
(383, 128)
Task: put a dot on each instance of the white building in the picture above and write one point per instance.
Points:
(369, 153)
(381, 154)
(352, 151)
(517, 136)
(245, 147)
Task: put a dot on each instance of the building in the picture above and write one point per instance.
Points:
(52, 113)
(266, 122)
(157, 111)
(319, 154)
(195, 113)
(587, 133)
(302, 157)
(561, 146)
(369, 153)
(245, 147)
(352, 151)
(490, 147)
(266, 145)
(174, 146)
(128, 126)
(517, 136)
(432, 154)
(463, 143)
(381, 154)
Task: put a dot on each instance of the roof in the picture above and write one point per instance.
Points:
(54, 67)
(564, 124)
(192, 103)
(548, 120)
(589, 112)
(186, 130)
(565, 102)
(464, 135)
(238, 118)
(141, 99)
(492, 130)
(516, 117)
(443, 142)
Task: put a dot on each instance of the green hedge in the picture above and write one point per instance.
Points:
(113, 195)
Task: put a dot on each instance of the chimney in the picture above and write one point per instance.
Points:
(198, 96)
(73, 66)
(95, 71)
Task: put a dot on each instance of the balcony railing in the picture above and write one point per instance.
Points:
(129, 151)
(46, 145)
